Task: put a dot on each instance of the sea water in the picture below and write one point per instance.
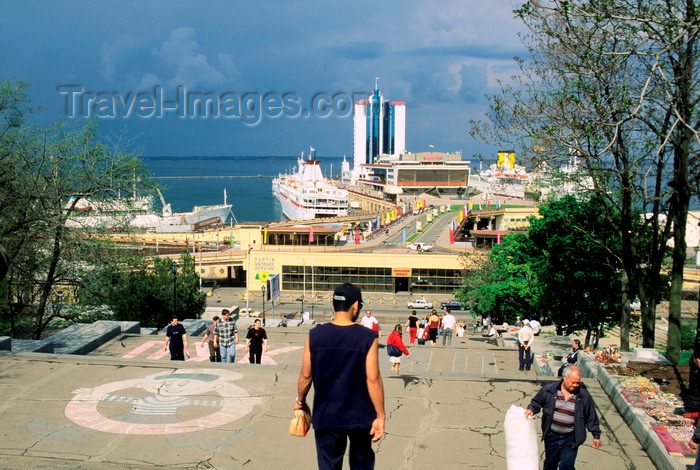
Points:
(196, 181)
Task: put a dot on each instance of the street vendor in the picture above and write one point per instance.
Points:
(570, 358)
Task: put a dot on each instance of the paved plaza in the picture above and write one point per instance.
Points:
(126, 405)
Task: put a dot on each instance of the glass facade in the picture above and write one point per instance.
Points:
(432, 177)
(372, 279)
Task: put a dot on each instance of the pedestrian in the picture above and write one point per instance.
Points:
(567, 412)
(525, 339)
(256, 341)
(226, 337)
(395, 339)
(448, 326)
(214, 353)
(420, 334)
(368, 321)
(433, 325)
(518, 322)
(536, 326)
(341, 361)
(570, 358)
(412, 325)
(176, 340)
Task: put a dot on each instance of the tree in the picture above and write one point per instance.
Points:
(504, 285)
(577, 264)
(613, 85)
(40, 170)
(147, 294)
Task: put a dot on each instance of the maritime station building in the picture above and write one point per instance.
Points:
(312, 259)
(410, 174)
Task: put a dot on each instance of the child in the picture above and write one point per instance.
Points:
(396, 339)
(420, 332)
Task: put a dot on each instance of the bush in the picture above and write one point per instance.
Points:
(688, 335)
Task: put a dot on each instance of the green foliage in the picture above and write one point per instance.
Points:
(42, 169)
(688, 333)
(578, 266)
(151, 294)
(565, 269)
(504, 288)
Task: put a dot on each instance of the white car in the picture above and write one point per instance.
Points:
(249, 312)
(420, 247)
(420, 303)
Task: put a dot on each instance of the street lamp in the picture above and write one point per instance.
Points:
(262, 288)
(247, 282)
(174, 268)
(57, 303)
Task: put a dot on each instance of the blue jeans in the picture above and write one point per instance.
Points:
(524, 357)
(228, 353)
(331, 444)
(559, 451)
(447, 335)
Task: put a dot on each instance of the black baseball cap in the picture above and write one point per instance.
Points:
(348, 293)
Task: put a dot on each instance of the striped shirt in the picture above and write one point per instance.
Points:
(563, 419)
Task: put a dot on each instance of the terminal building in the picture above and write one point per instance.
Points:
(416, 173)
(310, 259)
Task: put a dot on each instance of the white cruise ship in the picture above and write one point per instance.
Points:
(306, 194)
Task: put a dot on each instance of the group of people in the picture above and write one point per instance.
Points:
(429, 328)
(341, 362)
(221, 336)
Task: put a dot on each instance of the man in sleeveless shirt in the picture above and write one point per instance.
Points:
(341, 361)
(567, 411)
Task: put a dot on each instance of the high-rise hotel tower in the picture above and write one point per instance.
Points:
(380, 128)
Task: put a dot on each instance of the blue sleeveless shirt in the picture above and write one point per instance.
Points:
(338, 371)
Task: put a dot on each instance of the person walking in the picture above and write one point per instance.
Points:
(341, 361)
(176, 340)
(412, 325)
(420, 334)
(433, 325)
(395, 339)
(525, 340)
(369, 321)
(256, 341)
(214, 353)
(448, 327)
(567, 412)
(226, 337)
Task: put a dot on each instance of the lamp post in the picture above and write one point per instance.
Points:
(262, 288)
(174, 268)
(57, 303)
(247, 283)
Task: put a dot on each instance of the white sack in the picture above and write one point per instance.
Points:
(521, 440)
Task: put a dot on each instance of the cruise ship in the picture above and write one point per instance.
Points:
(306, 194)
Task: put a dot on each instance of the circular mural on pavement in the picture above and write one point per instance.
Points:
(183, 401)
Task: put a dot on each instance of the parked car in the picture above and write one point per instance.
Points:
(420, 303)
(451, 305)
(249, 312)
(420, 246)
